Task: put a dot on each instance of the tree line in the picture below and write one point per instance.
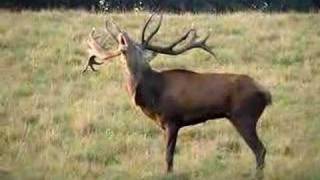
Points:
(167, 5)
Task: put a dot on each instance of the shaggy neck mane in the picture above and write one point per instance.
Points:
(134, 71)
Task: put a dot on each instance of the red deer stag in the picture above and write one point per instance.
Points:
(178, 98)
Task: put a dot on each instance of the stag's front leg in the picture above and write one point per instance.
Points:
(171, 138)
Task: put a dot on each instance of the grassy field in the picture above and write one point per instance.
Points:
(58, 124)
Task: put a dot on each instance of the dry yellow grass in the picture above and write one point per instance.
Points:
(57, 124)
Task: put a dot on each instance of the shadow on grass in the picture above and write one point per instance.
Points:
(5, 174)
(172, 176)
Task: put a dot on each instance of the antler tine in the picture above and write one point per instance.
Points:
(155, 30)
(92, 43)
(93, 47)
(182, 38)
(145, 28)
(170, 49)
(143, 41)
(96, 50)
(205, 47)
(193, 43)
(197, 44)
(111, 22)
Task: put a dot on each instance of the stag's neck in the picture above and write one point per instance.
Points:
(134, 73)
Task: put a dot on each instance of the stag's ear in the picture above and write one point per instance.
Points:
(113, 29)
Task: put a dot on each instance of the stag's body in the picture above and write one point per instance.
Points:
(178, 98)
(187, 98)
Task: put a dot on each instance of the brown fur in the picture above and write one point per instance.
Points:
(179, 98)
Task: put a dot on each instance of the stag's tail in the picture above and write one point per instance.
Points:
(266, 94)
(268, 97)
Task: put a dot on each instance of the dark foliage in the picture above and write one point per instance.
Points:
(167, 5)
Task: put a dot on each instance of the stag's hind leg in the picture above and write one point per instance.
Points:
(247, 129)
(245, 117)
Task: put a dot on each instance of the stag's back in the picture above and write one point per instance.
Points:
(189, 90)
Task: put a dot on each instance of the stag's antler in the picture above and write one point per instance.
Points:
(96, 50)
(170, 49)
(113, 29)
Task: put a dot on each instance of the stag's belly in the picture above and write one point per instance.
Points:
(188, 110)
(200, 115)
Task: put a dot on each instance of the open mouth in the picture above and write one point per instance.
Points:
(122, 40)
(123, 43)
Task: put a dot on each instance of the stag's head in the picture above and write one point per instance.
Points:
(135, 54)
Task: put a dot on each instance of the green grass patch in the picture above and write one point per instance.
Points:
(56, 123)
